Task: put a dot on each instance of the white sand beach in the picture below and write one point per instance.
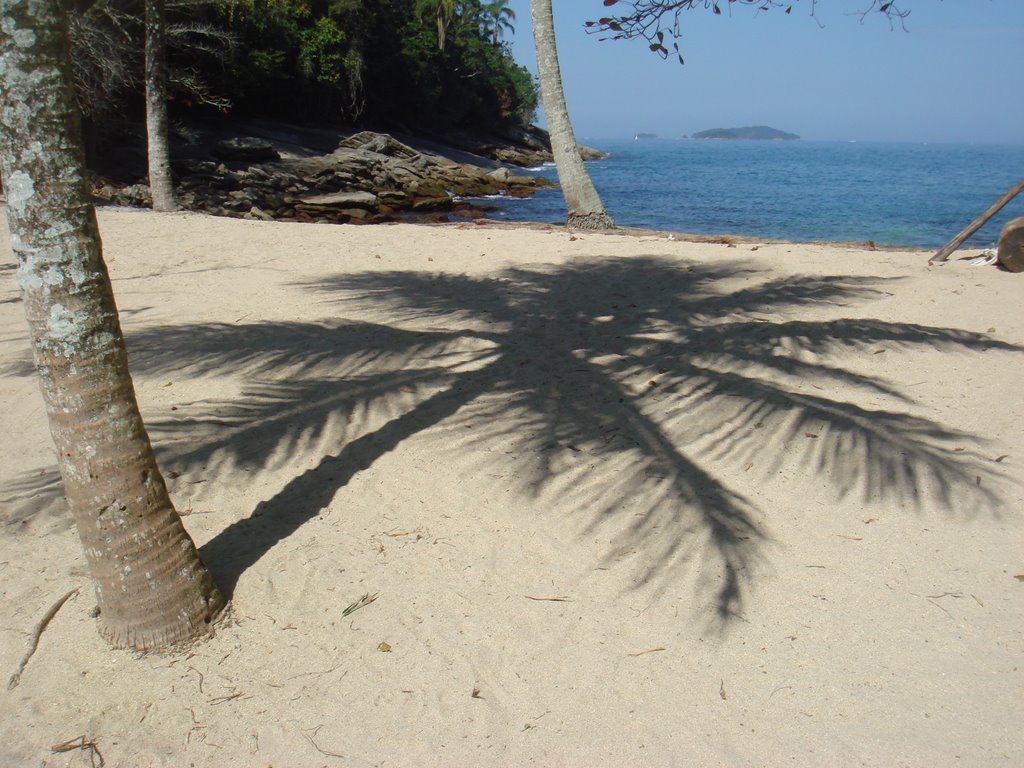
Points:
(621, 500)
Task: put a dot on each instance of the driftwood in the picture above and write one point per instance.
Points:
(33, 641)
(977, 224)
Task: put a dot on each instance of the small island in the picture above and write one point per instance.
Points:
(755, 132)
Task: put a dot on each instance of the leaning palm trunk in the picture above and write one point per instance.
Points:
(160, 184)
(151, 586)
(581, 198)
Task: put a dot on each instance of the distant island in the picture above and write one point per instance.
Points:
(757, 132)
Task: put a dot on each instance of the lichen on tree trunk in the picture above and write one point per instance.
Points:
(152, 588)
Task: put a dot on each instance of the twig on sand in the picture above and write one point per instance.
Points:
(81, 743)
(201, 678)
(549, 599)
(366, 599)
(316, 747)
(221, 699)
(395, 534)
(642, 653)
(33, 642)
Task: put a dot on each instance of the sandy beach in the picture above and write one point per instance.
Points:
(592, 499)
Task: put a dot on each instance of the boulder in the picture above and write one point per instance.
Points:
(1011, 245)
(589, 153)
(355, 214)
(134, 194)
(394, 198)
(370, 177)
(247, 148)
(363, 200)
(258, 213)
(440, 203)
(522, 158)
(380, 143)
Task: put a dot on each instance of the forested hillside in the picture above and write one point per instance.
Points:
(415, 64)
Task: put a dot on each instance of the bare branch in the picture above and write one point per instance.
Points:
(659, 21)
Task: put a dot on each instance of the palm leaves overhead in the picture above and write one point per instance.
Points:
(619, 384)
(498, 19)
(494, 18)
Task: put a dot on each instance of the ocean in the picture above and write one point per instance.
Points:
(917, 195)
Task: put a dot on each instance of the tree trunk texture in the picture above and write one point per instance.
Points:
(581, 198)
(161, 186)
(151, 586)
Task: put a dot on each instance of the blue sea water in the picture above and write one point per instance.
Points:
(899, 194)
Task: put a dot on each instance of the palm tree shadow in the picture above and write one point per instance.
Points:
(651, 367)
(645, 370)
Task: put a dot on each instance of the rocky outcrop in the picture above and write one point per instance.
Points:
(246, 148)
(523, 147)
(369, 178)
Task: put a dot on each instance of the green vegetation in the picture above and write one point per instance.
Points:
(756, 132)
(417, 64)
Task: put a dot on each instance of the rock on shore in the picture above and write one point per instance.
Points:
(367, 177)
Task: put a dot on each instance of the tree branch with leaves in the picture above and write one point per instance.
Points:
(659, 22)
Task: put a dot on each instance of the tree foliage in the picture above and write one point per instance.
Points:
(107, 46)
(432, 63)
(426, 63)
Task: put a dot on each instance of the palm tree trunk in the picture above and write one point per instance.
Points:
(151, 586)
(581, 198)
(160, 185)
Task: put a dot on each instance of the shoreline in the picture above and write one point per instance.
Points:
(964, 252)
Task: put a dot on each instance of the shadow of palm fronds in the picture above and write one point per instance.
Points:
(617, 384)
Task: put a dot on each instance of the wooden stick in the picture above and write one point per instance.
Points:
(33, 642)
(81, 743)
(977, 224)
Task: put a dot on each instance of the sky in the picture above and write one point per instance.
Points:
(955, 75)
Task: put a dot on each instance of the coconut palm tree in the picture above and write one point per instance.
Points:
(585, 208)
(161, 186)
(498, 18)
(151, 587)
(443, 12)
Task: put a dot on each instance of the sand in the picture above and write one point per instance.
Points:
(622, 500)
